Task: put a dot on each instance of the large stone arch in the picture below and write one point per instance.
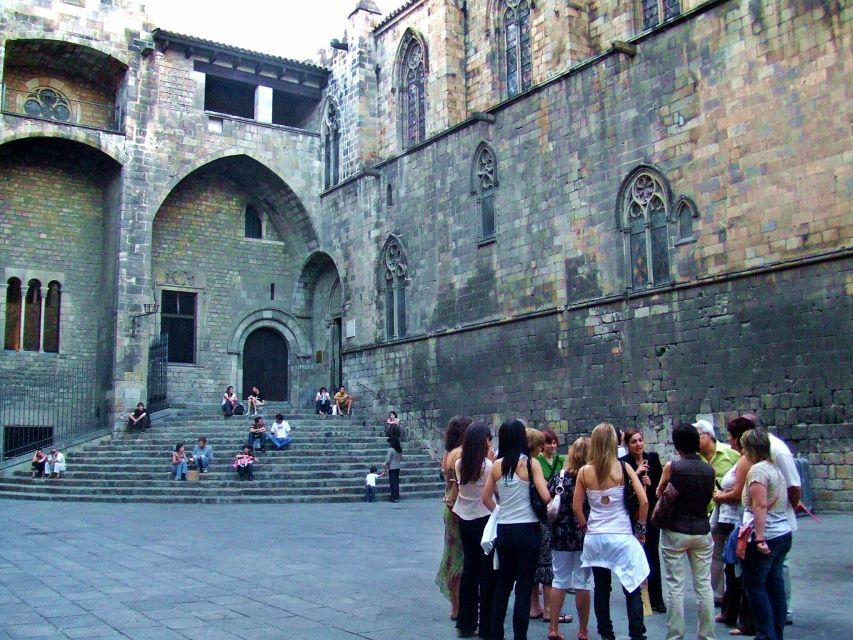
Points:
(288, 326)
(277, 185)
(69, 39)
(110, 146)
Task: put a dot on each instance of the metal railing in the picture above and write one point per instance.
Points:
(427, 433)
(50, 408)
(49, 105)
(158, 378)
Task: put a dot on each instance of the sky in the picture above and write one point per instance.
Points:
(293, 29)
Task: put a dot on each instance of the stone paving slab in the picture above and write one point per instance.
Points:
(300, 572)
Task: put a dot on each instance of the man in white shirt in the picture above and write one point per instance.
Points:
(279, 433)
(784, 460)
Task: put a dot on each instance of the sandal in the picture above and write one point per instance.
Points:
(565, 618)
(739, 632)
(554, 635)
(582, 636)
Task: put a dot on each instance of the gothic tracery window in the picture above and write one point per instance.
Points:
(395, 272)
(484, 184)
(47, 103)
(332, 146)
(654, 9)
(414, 92)
(517, 50)
(33, 316)
(685, 214)
(645, 209)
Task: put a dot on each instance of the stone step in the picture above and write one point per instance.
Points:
(225, 481)
(163, 478)
(296, 470)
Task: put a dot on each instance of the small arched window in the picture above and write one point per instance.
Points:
(12, 340)
(517, 49)
(32, 316)
(484, 182)
(253, 226)
(332, 145)
(654, 9)
(389, 196)
(645, 203)
(413, 71)
(52, 307)
(685, 213)
(395, 271)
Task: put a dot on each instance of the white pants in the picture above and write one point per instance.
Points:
(698, 549)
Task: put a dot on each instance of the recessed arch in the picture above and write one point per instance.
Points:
(108, 55)
(315, 264)
(117, 152)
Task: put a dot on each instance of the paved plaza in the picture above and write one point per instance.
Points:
(306, 572)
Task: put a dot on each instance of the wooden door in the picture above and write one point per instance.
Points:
(265, 364)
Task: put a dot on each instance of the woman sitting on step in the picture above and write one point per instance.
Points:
(244, 462)
(256, 400)
(179, 462)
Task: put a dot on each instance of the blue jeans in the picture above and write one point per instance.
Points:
(179, 469)
(280, 443)
(765, 586)
(256, 442)
(518, 556)
(369, 493)
(202, 463)
(601, 605)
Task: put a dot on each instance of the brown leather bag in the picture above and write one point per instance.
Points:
(665, 508)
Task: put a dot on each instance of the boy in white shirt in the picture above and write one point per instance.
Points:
(370, 485)
(279, 433)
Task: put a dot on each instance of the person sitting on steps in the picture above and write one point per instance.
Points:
(343, 399)
(203, 455)
(323, 402)
(255, 401)
(179, 462)
(230, 402)
(139, 419)
(38, 462)
(55, 465)
(279, 433)
(244, 462)
(257, 434)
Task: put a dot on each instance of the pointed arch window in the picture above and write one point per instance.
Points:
(654, 9)
(484, 182)
(685, 212)
(252, 222)
(395, 273)
(645, 207)
(414, 92)
(32, 316)
(52, 308)
(332, 145)
(12, 332)
(517, 49)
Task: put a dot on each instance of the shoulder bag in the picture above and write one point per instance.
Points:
(665, 508)
(554, 507)
(632, 502)
(539, 506)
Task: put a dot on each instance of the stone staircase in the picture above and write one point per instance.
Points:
(326, 462)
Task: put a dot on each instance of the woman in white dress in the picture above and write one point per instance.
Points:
(611, 543)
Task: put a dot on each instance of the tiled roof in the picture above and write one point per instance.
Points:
(161, 35)
(396, 12)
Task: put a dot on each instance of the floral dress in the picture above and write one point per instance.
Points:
(450, 569)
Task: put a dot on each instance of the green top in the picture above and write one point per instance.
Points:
(724, 458)
(550, 468)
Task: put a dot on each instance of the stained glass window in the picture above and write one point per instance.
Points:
(517, 52)
(13, 315)
(47, 103)
(646, 211)
(414, 92)
(395, 272)
(653, 9)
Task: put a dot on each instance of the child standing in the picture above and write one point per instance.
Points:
(370, 485)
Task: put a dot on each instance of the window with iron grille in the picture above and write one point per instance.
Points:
(517, 49)
(178, 321)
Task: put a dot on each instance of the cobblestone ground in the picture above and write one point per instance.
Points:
(299, 572)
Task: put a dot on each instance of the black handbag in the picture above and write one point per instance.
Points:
(632, 502)
(539, 506)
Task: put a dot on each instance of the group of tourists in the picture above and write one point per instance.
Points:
(526, 516)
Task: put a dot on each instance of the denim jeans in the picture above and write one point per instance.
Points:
(765, 586)
(246, 473)
(601, 605)
(369, 493)
(256, 441)
(227, 408)
(394, 481)
(280, 443)
(179, 469)
(323, 407)
(518, 555)
(699, 550)
(477, 585)
(202, 462)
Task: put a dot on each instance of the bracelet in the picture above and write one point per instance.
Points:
(760, 541)
(639, 528)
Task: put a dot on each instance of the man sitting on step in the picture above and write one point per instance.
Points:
(257, 434)
(203, 455)
(279, 433)
(343, 401)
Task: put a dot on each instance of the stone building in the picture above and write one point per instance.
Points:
(569, 211)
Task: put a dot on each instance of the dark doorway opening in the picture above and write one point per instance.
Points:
(336, 359)
(265, 364)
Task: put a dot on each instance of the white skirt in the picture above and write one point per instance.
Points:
(622, 553)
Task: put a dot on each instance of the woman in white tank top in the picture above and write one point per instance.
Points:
(519, 534)
(611, 544)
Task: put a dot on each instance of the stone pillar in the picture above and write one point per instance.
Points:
(199, 79)
(263, 104)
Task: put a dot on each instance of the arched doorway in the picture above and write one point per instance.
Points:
(265, 364)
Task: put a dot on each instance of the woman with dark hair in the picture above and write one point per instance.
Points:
(689, 534)
(765, 504)
(477, 585)
(612, 543)
(230, 401)
(450, 569)
(648, 467)
(179, 462)
(392, 466)
(518, 533)
(392, 425)
(551, 462)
